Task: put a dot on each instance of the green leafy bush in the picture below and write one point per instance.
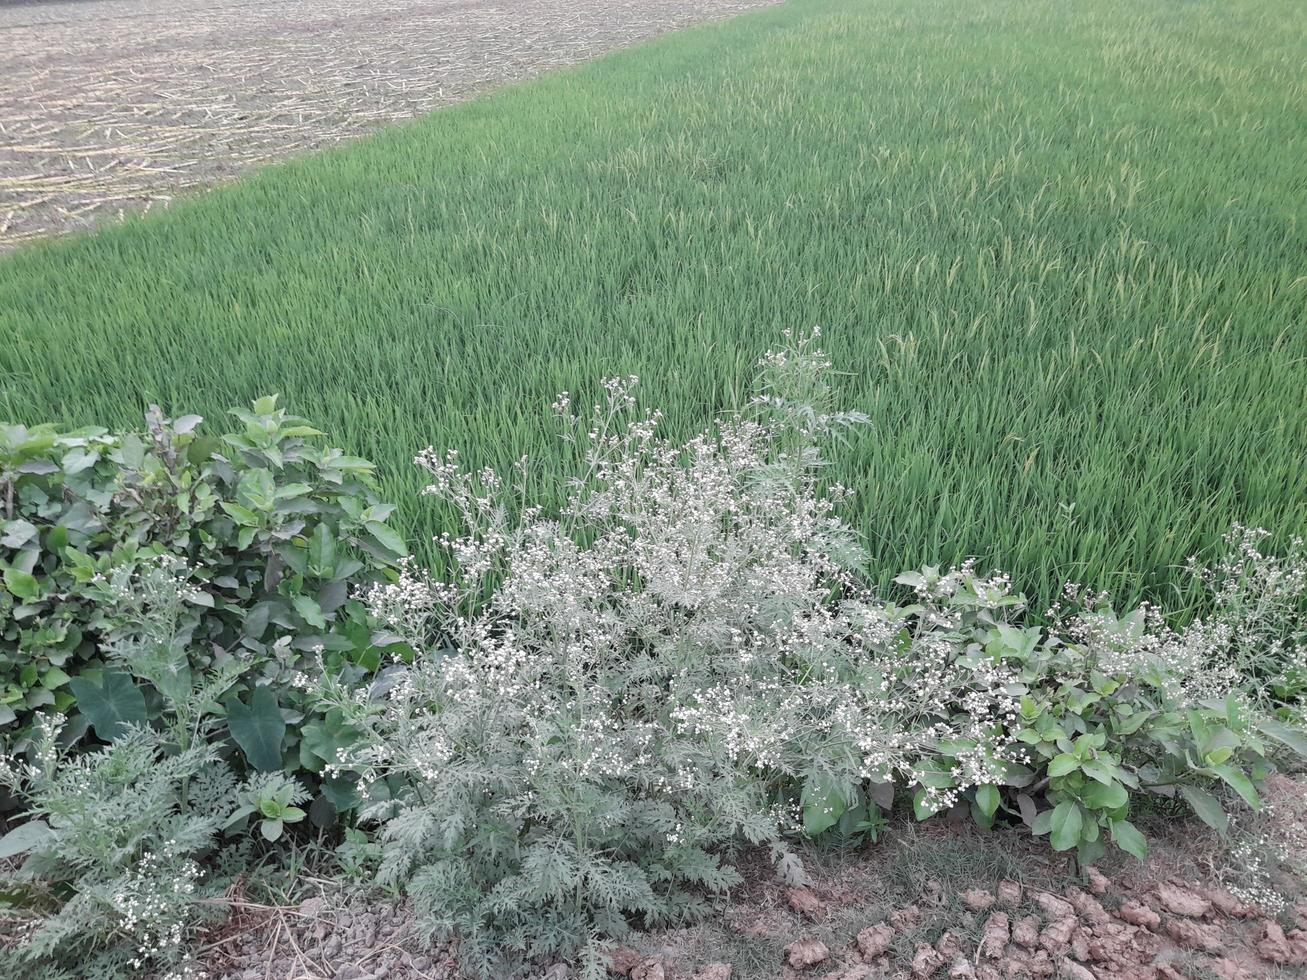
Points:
(1108, 709)
(608, 701)
(249, 542)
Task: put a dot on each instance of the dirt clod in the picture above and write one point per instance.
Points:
(1138, 914)
(995, 937)
(874, 941)
(978, 899)
(803, 902)
(1182, 901)
(804, 953)
(926, 961)
(714, 971)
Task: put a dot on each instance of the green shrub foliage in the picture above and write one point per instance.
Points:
(609, 700)
(133, 562)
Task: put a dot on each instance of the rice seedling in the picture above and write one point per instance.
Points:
(1062, 245)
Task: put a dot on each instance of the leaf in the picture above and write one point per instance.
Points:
(1063, 764)
(1099, 770)
(1127, 837)
(22, 584)
(54, 677)
(987, 798)
(1104, 796)
(77, 460)
(1283, 733)
(322, 552)
(1066, 824)
(132, 451)
(353, 463)
(1026, 806)
(882, 794)
(256, 490)
(270, 829)
(17, 533)
(823, 803)
(921, 807)
(110, 705)
(1208, 809)
(1042, 823)
(241, 515)
(1240, 783)
(258, 728)
(387, 537)
(24, 837)
(186, 423)
(1090, 851)
(308, 607)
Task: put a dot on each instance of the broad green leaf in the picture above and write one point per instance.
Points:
(354, 463)
(258, 728)
(921, 809)
(1292, 737)
(1240, 783)
(257, 490)
(387, 537)
(1127, 837)
(77, 460)
(308, 607)
(823, 803)
(1104, 796)
(17, 533)
(1090, 851)
(22, 584)
(322, 552)
(132, 451)
(270, 829)
(987, 799)
(1066, 825)
(241, 515)
(1042, 823)
(111, 704)
(24, 837)
(1099, 770)
(1063, 764)
(1206, 806)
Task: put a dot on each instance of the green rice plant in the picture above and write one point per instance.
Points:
(1058, 247)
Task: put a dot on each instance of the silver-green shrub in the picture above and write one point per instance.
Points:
(610, 700)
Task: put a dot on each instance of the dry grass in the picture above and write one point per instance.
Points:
(118, 105)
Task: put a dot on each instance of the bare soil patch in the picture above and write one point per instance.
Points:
(117, 105)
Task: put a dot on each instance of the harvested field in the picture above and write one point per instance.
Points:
(119, 105)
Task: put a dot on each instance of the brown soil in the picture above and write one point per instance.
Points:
(117, 105)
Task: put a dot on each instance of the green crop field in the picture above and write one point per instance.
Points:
(1060, 248)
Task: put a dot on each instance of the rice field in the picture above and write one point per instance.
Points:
(1061, 250)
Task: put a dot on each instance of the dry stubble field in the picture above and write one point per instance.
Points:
(118, 105)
